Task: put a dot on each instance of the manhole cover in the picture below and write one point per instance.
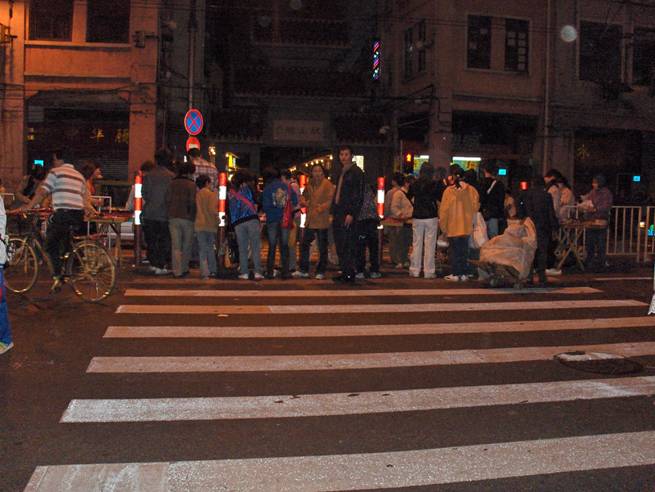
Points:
(599, 362)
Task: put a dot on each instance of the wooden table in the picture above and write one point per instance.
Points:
(113, 221)
(572, 241)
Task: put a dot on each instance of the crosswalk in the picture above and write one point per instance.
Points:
(300, 362)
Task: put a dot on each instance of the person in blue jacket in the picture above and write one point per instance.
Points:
(278, 201)
(6, 341)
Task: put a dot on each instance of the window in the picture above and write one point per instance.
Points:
(422, 59)
(516, 45)
(409, 52)
(108, 21)
(51, 19)
(479, 42)
(643, 67)
(600, 52)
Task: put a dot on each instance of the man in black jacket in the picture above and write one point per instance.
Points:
(537, 204)
(492, 200)
(345, 210)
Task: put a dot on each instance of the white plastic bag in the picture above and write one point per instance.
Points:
(479, 235)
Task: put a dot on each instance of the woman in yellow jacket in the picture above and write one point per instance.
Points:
(459, 205)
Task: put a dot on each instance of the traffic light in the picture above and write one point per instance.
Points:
(408, 163)
(523, 185)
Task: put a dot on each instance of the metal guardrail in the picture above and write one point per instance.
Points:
(624, 232)
(647, 228)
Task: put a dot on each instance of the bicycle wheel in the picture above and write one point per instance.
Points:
(91, 270)
(22, 267)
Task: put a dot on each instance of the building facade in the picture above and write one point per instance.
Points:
(80, 75)
(291, 80)
(530, 85)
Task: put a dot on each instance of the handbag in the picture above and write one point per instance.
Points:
(287, 214)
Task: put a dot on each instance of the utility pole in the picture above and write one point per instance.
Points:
(193, 30)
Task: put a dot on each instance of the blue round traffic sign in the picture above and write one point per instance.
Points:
(193, 122)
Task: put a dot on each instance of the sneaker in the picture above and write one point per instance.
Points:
(360, 276)
(244, 276)
(464, 278)
(452, 278)
(259, 276)
(320, 276)
(376, 275)
(4, 347)
(399, 266)
(430, 275)
(162, 271)
(414, 275)
(553, 272)
(299, 274)
(152, 269)
(57, 282)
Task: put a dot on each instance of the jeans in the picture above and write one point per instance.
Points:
(57, 242)
(321, 236)
(181, 231)
(5, 327)
(250, 241)
(345, 239)
(596, 241)
(294, 234)
(277, 234)
(541, 255)
(206, 253)
(367, 237)
(424, 247)
(459, 247)
(493, 227)
(158, 242)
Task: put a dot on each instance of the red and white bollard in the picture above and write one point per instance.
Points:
(138, 207)
(380, 210)
(221, 246)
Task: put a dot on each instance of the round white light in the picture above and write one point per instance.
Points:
(568, 34)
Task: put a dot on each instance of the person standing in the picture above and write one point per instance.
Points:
(459, 204)
(317, 198)
(181, 204)
(6, 341)
(245, 221)
(492, 200)
(402, 211)
(155, 212)
(566, 200)
(206, 226)
(291, 181)
(391, 225)
(203, 167)
(552, 179)
(425, 222)
(601, 199)
(367, 236)
(278, 201)
(345, 208)
(70, 199)
(537, 204)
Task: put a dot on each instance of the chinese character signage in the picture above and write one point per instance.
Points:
(298, 130)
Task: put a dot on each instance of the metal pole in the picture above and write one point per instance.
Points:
(193, 28)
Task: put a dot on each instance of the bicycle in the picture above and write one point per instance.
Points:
(88, 268)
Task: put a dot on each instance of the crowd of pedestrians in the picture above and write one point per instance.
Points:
(455, 209)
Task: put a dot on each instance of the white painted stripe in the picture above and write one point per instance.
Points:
(360, 471)
(333, 362)
(236, 294)
(314, 405)
(373, 308)
(619, 279)
(305, 331)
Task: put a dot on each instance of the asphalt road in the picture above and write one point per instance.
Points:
(394, 388)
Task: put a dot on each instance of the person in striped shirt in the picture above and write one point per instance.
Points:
(70, 200)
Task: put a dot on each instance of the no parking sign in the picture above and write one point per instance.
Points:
(193, 122)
